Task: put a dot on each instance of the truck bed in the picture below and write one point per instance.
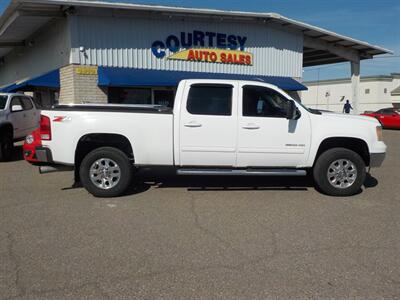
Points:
(149, 129)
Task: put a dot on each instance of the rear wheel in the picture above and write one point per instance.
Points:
(106, 172)
(339, 172)
(6, 146)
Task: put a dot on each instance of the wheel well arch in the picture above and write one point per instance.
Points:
(377, 118)
(355, 144)
(7, 127)
(92, 141)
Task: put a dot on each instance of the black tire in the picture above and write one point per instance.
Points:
(323, 163)
(123, 164)
(6, 146)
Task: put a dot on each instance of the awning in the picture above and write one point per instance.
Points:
(125, 77)
(48, 80)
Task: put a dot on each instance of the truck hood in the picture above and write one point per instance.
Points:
(349, 117)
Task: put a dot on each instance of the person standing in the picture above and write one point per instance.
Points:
(347, 107)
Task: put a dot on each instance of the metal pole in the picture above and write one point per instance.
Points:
(355, 85)
(317, 86)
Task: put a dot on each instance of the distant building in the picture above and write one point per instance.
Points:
(375, 92)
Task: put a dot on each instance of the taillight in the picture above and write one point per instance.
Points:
(45, 128)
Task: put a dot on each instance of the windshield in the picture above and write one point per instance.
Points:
(311, 110)
(3, 102)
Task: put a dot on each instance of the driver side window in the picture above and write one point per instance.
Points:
(263, 102)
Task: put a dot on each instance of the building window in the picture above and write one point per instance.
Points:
(129, 95)
(157, 96)
(367, 91)
(164, 97)
(37, 98)
(385, 90)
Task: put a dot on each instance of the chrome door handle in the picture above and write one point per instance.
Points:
(192, 124)
(251, 126)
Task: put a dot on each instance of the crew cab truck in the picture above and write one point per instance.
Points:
(18, 117)
(216, 127)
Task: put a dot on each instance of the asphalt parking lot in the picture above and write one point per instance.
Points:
(199, 238)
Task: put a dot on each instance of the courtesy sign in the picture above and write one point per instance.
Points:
(199, 46)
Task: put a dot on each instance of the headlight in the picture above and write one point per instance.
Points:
(29, 139)
(379, 133)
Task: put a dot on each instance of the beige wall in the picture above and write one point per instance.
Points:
(79, 85)
(327, 95)
(396, 98)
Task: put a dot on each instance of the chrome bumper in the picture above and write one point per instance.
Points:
(376, 159)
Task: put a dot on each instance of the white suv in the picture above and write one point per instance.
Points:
(18, 117)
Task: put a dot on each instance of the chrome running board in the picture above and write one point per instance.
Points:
(242, 172)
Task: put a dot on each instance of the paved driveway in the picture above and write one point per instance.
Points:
(168, 241)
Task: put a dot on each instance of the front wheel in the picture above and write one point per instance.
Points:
(106, 172)
(339, 172)
(6, 147)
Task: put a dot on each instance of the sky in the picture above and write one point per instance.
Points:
(376, 22)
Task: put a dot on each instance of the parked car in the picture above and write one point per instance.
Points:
(18, 117)
(388, 117)
(216, 127)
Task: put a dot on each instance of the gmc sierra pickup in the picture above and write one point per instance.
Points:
(216, 127)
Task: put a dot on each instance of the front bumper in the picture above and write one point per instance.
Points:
(376, 159)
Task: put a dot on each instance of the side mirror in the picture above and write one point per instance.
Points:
(292, 112)
(16, 108)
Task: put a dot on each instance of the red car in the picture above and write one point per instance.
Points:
(388, 117)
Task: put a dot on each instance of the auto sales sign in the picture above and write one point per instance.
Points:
(199, 46)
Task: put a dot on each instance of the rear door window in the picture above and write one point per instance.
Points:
(214, 100)
(15, 101)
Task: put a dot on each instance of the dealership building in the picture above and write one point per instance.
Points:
(94, 51)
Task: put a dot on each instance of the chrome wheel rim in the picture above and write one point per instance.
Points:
(342, 173)
(105, 173)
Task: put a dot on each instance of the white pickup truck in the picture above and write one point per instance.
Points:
(18, 117)
(216, 127)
